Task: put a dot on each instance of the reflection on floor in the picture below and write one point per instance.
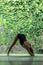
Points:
(21, 60)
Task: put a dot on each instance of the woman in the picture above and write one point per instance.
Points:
(23, 42)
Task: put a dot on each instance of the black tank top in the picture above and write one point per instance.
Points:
(22, 38)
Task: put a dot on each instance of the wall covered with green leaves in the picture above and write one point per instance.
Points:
(21, 16)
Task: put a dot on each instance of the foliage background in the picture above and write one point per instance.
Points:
(21, 16)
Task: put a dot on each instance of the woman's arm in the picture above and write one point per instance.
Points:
(16, 38)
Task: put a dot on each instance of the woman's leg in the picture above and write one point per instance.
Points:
(29, 48)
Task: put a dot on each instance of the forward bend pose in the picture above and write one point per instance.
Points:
(24, 43)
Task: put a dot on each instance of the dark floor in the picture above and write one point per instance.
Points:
(21, 60)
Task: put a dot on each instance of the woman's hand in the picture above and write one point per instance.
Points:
(8, 53)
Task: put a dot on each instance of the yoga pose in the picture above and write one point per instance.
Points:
(23, 42)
